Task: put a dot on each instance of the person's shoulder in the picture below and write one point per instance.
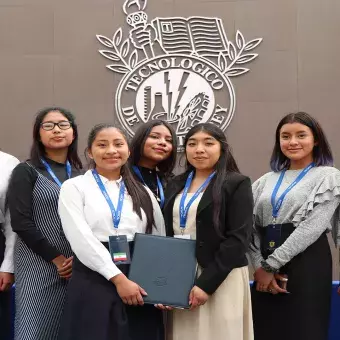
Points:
(234, 179)
(326, 174)
(74, 187)
(8, 161)
(178, 179)
(327, 170)
(24, 169)
(262, 180)
(23, 176)
(7, 157)
(78, 181)
(175, 182)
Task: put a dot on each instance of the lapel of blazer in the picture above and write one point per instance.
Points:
(206, 199)
(177, 187)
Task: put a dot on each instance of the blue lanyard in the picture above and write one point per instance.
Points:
(277, 205)
(50, 171)
(183, 210)
(116, 214)
(159, 184)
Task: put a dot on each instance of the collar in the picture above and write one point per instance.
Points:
(106, 180)
(177, 186)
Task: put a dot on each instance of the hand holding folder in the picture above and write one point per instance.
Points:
(165, 267)
(129, 291)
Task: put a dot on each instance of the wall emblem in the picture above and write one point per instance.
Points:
(176, 69)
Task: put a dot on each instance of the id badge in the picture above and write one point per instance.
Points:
(186, 237)
(119, 249)
(273, 237)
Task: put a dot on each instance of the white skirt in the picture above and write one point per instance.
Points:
(227, 314)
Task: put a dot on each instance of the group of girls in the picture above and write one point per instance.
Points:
(69, 288)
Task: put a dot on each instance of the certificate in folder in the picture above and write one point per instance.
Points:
(165, 267)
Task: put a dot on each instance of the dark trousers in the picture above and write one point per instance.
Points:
(5, 315)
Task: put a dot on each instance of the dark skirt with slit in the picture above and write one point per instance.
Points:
(304, 313)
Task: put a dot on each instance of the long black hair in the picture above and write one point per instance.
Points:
(138, 141)
(38, 149)
(225, 165)
(140, 197)
(322, 154)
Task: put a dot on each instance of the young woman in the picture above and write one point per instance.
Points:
(7, 241)
(212, 203)
(153, 156)
(43, 257)
(95, 208)
(294, 208)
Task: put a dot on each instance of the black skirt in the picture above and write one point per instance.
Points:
(304, 313)
(94, 310)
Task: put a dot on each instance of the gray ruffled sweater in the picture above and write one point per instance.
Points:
(312, 206)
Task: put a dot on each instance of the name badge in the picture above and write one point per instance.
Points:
(119, 249)
(186, 237)
(273, 237)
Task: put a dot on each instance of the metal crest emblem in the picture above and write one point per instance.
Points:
(175, 69)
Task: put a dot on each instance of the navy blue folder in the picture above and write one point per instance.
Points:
(165, 267)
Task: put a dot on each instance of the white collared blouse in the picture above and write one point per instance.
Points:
(87, 220)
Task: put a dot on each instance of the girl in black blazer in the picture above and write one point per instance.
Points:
(218, 202)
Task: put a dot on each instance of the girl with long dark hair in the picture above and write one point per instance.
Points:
(295, 205)
(153, 156)
(43, 256)
(212, 203)
(105, 204)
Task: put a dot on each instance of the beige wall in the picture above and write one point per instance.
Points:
(48, 56)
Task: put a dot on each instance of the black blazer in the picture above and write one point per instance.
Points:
(218, 254)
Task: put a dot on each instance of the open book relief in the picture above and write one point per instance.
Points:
(201, 35)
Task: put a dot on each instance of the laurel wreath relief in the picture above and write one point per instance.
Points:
(227, 61)
(124, 64)
(237, 56)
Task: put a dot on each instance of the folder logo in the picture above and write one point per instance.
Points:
(160, 281)
(175, 69)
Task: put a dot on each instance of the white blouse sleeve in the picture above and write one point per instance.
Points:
(89, 250)
(7, 265)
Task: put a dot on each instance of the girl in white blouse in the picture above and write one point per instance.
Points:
(89, 211)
